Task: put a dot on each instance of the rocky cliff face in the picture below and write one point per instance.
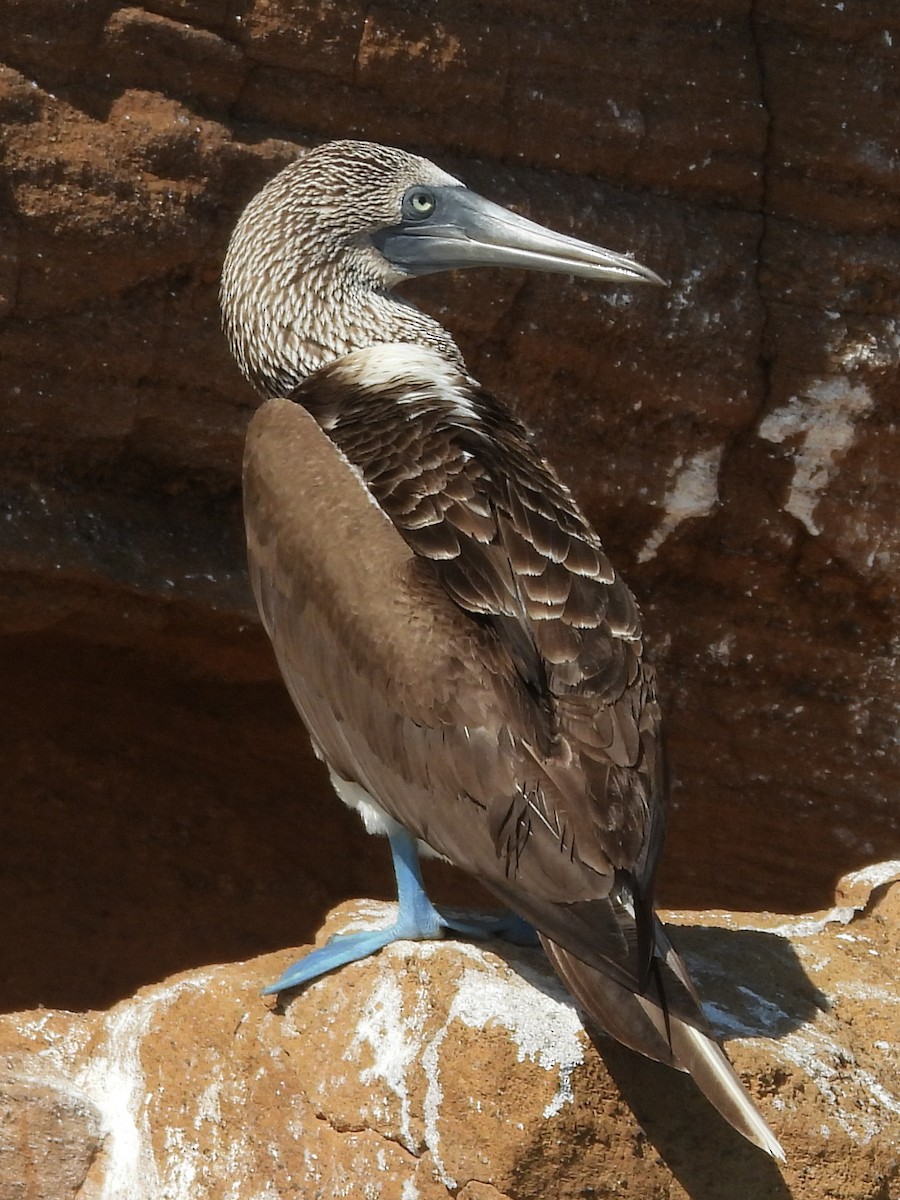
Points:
(447, 1070)
(734, 438)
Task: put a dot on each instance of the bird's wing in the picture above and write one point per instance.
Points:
(462, 483)
(423, 702)
(520, 738)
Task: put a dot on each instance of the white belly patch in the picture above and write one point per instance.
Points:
(375, 819)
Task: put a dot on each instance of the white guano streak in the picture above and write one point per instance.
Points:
(693, 493)
(400, 1039)
(114, 1081)
(823, 420)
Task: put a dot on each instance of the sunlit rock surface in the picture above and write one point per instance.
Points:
(451, 1069)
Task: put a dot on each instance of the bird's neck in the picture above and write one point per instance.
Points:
(283, 335)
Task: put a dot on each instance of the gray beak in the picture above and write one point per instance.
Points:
(465, 230)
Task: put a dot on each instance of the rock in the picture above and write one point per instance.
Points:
(733, 438)
(452, 1069)
(49, 1136)
(152, 51)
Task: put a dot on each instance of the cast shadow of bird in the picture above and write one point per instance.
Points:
(754, 986)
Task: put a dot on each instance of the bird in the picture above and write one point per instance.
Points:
(468, 663)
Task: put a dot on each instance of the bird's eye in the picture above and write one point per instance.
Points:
(419, 203)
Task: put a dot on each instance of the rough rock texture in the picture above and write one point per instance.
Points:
(446, 1070)
(734, 438)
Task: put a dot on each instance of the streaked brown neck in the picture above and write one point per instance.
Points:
(282, 329)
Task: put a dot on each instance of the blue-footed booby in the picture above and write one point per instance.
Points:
(468, 663)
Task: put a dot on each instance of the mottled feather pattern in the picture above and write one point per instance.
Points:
(464, 485)
(437, 725)
(461, 481)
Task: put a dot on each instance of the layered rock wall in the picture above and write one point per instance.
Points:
(734, 438)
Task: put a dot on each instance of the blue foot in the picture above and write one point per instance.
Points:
(508, 926)
(340, 950)
(417, 920)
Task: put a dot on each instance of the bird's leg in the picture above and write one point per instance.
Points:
(414, 901)
(417, 921)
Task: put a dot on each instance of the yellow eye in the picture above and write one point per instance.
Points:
(419, 202)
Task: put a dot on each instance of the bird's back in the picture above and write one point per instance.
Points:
(479, 652)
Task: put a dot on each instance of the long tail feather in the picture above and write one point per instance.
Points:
(645, 1024)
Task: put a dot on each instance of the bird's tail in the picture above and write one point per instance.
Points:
(648, 1024)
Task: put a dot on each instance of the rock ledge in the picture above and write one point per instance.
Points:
(447, 1070)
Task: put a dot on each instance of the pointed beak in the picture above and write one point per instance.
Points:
(466, 230)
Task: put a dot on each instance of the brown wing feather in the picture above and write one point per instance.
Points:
(461, 482)
(544, 781)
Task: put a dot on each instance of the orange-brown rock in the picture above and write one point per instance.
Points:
(734, 438)
(449, 1069)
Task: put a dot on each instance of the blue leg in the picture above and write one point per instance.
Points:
(417, 920)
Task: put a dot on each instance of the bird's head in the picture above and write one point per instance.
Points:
(316, 252)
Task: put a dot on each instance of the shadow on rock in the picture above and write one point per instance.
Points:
(709, 1159)
(751, 981)
(753, 985)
